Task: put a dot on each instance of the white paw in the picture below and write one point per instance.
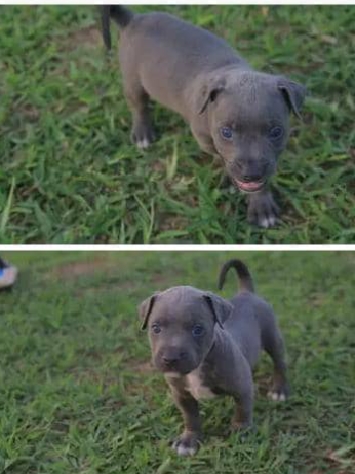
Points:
(277, 397)
(185, 448)
(142, 144)
(186, 451)
(267, 222)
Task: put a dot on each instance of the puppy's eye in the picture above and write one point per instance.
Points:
(197, 330)
(156, 328)
(227, 133)
(275, 133)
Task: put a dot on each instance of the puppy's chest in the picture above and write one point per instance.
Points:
(195, 384)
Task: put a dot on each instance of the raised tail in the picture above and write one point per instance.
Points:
(245, 280)
(121, 15)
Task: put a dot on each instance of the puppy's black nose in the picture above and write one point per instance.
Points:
(172, 358)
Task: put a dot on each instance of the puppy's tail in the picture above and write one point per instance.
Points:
(245, 280)
(121, 15)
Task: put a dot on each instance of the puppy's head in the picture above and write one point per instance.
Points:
(181, 323)
(248, 117)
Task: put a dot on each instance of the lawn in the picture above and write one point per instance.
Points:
(78, 394)
(69, 174)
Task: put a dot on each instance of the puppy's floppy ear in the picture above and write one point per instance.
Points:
(209, 92)
(146, 308)
(220, 308)
(294, 94)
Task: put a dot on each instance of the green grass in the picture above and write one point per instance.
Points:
(77, 393)
(68, 173)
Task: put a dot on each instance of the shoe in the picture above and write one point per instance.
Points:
(8, 275)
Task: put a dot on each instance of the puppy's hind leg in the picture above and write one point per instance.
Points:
(274, 346)
(242, 390)
(243, 411)
(142, 134)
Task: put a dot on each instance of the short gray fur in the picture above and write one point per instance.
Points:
(198, 75)
(221, 359)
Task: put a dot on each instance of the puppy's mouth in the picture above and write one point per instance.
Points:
(176, 369)
(249, 186)
(178, 373)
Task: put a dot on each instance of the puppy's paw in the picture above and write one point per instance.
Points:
(262, 210)
(187, 444)
(277, 396)
(142, 135)
(143, 144)
(239, 426)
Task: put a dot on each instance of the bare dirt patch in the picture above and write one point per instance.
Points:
(170, 222)
(142, 367)
(114, 277)
(85, 267)
(89, 37)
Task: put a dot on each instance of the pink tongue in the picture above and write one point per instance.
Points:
(249, 186)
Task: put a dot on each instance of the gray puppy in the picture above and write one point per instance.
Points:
(206, 345)
(234, 112)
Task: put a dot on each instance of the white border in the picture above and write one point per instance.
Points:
(176, 247)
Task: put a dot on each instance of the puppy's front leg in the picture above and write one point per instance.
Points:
(188, 442)
(262, 209)
(142, 133)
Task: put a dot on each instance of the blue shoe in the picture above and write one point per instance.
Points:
(8, 275)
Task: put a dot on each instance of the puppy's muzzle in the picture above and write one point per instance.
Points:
(249, 177)
(174, 360)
